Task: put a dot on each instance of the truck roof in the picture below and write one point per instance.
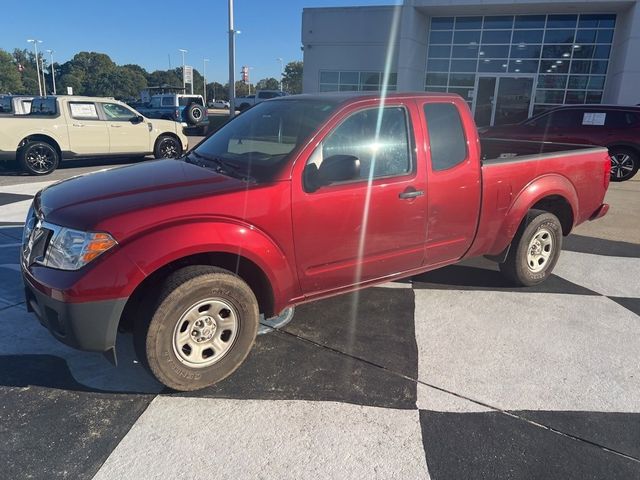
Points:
(80, 98)
(345, 97)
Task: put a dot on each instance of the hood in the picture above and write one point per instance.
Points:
(85, 201)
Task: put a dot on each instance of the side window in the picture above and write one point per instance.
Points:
(566, 118)
(383, 151)
(622, 119)
(446, 136)
(116, 112)
(83, 111)
(44, 106)
(168, 102)
(155, 102)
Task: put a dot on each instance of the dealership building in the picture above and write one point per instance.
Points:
(508, 59)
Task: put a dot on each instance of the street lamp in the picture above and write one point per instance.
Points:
(281, 70)
(232, 62)
(35, 46)
(53, 73)
(204, 78)
(184, 84)
(44, 80)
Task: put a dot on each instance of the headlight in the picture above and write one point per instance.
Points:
(72, 249)
(29, 223)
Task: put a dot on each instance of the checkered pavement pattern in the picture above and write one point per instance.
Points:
(448, 375)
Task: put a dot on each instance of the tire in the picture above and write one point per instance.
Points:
(200, 330)
(38, 158)
(624, 163)
(167, 146)
(195, 114)
(527, 264)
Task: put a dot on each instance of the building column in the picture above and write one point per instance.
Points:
(412, 49)
(623, 75)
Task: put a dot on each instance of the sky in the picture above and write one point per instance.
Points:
(150, 33)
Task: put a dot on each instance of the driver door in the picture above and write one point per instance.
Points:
(368, 227)
(126, 135)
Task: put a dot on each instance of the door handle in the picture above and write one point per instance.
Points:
(78, 124)
(116, 126)
(408, 194)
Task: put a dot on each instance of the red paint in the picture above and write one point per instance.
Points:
(308, 244)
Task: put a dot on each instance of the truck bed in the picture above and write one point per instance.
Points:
(497, 150)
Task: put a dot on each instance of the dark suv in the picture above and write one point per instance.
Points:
(613, 126)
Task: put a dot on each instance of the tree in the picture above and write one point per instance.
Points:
(26, 59)
(292, 78)
(268, 84)
(10, 81)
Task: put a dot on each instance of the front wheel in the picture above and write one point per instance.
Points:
(534, 250)
(167, 147)
(201, 329)
(624, 163)
(38, 158)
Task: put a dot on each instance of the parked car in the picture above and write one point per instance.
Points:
(189, 110)
(243, 103)
(219, 104)
(613, 126)
(15, 104)
(66, 127)
(272, 210)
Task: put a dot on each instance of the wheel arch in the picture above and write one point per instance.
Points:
(166, 134)
(40, 137)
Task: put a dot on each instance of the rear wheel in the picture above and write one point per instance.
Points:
(201, 329)
(167, 147)
(624, 163)
(38, 158)
(534, 250)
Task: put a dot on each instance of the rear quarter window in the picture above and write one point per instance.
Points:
(446, 136)
(622, 119)
(5, 105)
(168, 102)
(44, 106)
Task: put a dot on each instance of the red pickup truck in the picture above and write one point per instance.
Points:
(299, 198)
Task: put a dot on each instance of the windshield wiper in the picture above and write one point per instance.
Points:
(219, 166)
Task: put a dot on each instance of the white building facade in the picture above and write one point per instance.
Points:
(508, 59)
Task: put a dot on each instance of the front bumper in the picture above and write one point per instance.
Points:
(91, 326)
(600, 212)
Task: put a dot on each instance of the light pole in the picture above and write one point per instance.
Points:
(232, 63)
(44, 80)
(281, 70)
(204, 78)
(184, 84)
(53, 73)
(35, 46)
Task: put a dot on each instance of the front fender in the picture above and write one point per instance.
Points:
(538, 189)
(155, 249)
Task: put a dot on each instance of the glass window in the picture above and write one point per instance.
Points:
(496, 66)
(437, 89)
(448, 145)
(621, 119)
(329, 77)
(594, 97)
(468, 23)
(329, 87)
(550, 96)
(496, 36)
(462, 79)
(463, 65)
(596, 82)
(387, 154)
(586, 36)
(565, 118)
(84, 111)
(168, 101)
(440, 36)
(559, 36)
(184, 101)
(578, 82)
(583, 51)
(530, 21)
(552, 81)
(348, 88)
(562, 21)
(602, 51)
(439, 52)
(552, 66)
(604, 36)
(597, 21)
(155, 102)
(437, 65)
(466, 37)
(540, 109)
(523, 66)
(498, 22)
(527, 36)
(113, 111)
(463, 92)
(580, 66)
(599, 66)
(468, 51)
(436, 79)
(494, 51)
(44, 106)
(441, 23)
(350, 78)
(556, 51)
(574, 96)
(5, 105)
(522, 50)
(370, 78)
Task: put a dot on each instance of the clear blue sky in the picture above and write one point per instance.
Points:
(148, 32)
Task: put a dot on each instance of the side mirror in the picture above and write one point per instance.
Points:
(337, 168)
(137, 119)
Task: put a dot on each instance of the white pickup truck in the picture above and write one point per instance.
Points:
(243, 103)
(66, 127)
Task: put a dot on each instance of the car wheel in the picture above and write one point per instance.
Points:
(201, 330)
(534, 250)
(195, 114)
(624, 163)
(38, 158)
(167, 147)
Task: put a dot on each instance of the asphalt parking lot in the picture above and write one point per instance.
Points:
(448, 375)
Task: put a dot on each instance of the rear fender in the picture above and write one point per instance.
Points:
(535, 191)
(155, 249)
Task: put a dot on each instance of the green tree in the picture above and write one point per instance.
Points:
(268, 84)
(26, 59)
(292, 78)
(10, 81)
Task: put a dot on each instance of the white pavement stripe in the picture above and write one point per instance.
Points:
(15, 212)
(179, 437)
(529, 352)
(613, 276)
(26, 188)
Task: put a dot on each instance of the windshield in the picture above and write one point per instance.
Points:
(259, 141)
